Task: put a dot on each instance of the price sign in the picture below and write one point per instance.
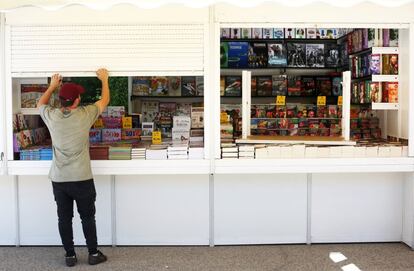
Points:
(156, 137)
(321, 100)
(339, 100)
(126, 122)
(224, 117)
(98, 123)
(280, 100)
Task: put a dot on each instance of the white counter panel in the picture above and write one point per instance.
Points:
(38, 217)
(363, 207)
(162, 210)
(260, 209)
(7, 208)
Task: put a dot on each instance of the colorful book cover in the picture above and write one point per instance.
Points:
(367, 94)
(371, 37)
(112, 122)
(375, 92)
(95, 135)
(233, 86)
(246, 33)
(111, 135)
(253, 88)
(296, 54)
(114, 111)
(322, 33)
(235, 33)
(257, 55)
(132, 133)
(365, 38)
(257, 33)
(276, 55)
(332, 111)
(331, 55)
(197, 117)
(290, 33)
(375, 64)
(294, 86)
(331, 33)
(267, 33)
(390, 64)
(167, 111)
(337, 86)
(384, 92)
(224, 54)
(392, 89)
(385, 37)
(31, 93)
(222, 85)
(300, 33)
(183, 109)
(140, 86)
(159, 86)
(147, 129)
(393, 37)
(278, 33)
(238, 54)
(308, 86)
(324, 86)
(174, 86)
(225, 33)
(199, 85)
(361, 93)
(291, 111)
(355, 93)
(264, 86)
(315, 55)
(311, 33)
(149, 111)
(279, 85)
(188, 86)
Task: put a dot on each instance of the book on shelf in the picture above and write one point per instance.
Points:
(257, 33)
(296, 54)
(238, 54)
(279, 85)
(393, 37)
(323, 86)
(180, 135)
(174, 86)
(315, 55)
(159, 86)
(235, 33)
(183, 109)
(371, 37)
(225, 33)
(331, 55)
(150, 111)
(390, 92)
(95, 135)
(376, 96)
(337, 86)
(140, 86)
(182, 122)
(246, 33)
(230, 155)
(267, 33)
(278, 33)
(311, 33)
(290, 33)
(375, 64)
(199, 86)
(385, 37)
(276, 55)
(224, 54)
(264, 86)
(131, 133)
(222, 85)
(230, 149)
(253, 88)
(308, 86)
(31, 93)
(294, 86)
(258, 54)
(197, 117)
(226, 131)
(232, 86)
(188, 86)
(390, 64)
(147, 129)
(300, 33)
(111, 135)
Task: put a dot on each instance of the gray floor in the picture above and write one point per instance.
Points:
(391, 256)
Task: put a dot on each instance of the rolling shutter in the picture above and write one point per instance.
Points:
(120, 48)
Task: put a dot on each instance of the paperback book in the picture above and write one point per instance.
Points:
(267, 33)
(199, 85)
(308, 86)
(296, 54)
(315, 55)
(233, 86)
(224, 54)
(238, 54)
(159, 86)
(337, 86)
(264, 86)
(294, 85)
(149, 111)
(174, 86)
(188, 86)
(300, 33)
(276, 54)
(332, 55)
(140, 86)
(279, 85)
(278, 33)
(257, 55)
(390, 64)
(323, 86)
(246, 33)
(375, 64)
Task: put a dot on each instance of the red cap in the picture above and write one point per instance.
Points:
(70, 91)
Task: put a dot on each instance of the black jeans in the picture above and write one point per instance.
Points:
(83, 192)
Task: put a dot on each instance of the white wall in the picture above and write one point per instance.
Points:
(162, 210)
(363, 207)
(38, 217)
(260, 209)
(7, 211)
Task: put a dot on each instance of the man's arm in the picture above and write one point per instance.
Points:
(54, 84)
(104, 101)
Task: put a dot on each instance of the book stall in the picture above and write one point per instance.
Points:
(227, 125)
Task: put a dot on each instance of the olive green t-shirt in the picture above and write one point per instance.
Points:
(70, 141)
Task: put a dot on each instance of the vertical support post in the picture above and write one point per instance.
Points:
(410, 70)
(16, 209)
(346, 105)
(309, 210)
(211, 209)
(246, 103)
(113, 211)
(3, 115)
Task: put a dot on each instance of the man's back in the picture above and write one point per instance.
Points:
(70, 140)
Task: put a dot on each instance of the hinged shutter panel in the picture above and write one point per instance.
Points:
(122, 48)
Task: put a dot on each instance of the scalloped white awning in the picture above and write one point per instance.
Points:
(7, 5)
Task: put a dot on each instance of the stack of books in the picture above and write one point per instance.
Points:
(226, 133)
(37, 153)
(156, 152)
(229, 150)
(122, 152)
(178, 152)
(138, 153)
(246, 152)
(99, 152)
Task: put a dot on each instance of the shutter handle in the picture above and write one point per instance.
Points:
(2, 156)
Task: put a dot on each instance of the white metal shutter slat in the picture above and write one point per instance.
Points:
(155, 47)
